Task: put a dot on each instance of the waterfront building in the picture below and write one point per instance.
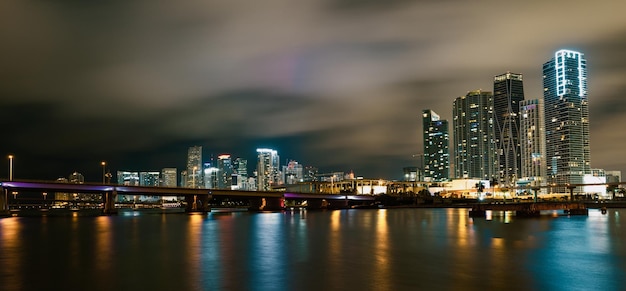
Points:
(268, 169)
(436, 159)
(225, 172)
(168, 177)
(567, 118)
(508, 92)
(293, 173)
(533, 142)
(474, 142)
(149, 179)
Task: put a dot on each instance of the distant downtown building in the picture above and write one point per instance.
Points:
(268, 169)
(241, 168)
(293, 173)
(533, 142)
(127, 178)
(474, 143)
(168, 177)
(225, 172)
(194, 167)
(436, 147)
(567, 118)
(149, 179)
(508, 92)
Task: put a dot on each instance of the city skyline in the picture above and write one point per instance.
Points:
(337, 86)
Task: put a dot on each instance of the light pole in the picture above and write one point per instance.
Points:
(193, 177)
(103, 171)
(10, 167)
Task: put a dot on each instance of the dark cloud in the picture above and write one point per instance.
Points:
(336, 84)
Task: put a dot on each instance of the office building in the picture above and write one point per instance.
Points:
(127, 178)
(241, 168)
(567, 119)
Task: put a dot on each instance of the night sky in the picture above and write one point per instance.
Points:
(335, 84)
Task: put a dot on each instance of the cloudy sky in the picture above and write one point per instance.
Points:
(337, 84)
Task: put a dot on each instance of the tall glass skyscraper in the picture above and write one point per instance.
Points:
(168, 177)
(508, 92)
(268, 169)
(225, 168)
(194, 167)
(474, 143)
(567, 118)
(436, 147)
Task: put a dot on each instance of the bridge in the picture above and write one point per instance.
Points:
(197, 200)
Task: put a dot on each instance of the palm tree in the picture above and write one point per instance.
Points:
(479, 188)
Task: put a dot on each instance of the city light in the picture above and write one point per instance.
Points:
(103, 163)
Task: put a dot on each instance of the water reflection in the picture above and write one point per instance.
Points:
(11, 253)
(397, 249)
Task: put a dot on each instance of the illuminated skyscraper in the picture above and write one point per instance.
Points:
(225, 168)
(268, 169)
(567, 118)
(533, 142)
(474, 142)
(436, 147)
(194, 167)
(508, 92)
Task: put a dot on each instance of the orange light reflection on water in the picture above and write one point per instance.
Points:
(10, 248)
(382, 277)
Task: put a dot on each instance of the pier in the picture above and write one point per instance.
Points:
(529, 209)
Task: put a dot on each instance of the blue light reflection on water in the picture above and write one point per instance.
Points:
(394, 249)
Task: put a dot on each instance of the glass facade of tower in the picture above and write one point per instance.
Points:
(436, 147)
(567, 118)
(474, 143)
(225, 168)
(241, 166)
(533, 145)
(194, 167)
(508, 92)
(268, 169)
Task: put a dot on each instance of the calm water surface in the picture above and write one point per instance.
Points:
(397, 249)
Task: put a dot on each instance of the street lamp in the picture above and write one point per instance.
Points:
(10, 167)
(103, 171)
(193, 177)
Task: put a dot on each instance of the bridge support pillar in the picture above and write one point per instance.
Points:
(109, 202)
(4, 202)
(267, 204)
(198, 203)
